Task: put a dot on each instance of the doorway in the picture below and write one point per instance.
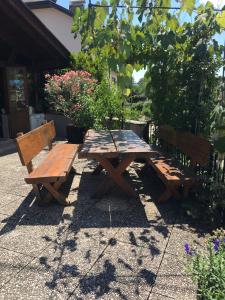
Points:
(17, 91)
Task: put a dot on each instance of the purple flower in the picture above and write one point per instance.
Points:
(187, 249)
(216, 243)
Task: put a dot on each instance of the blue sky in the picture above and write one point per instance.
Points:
(216, 3)
(64, 3)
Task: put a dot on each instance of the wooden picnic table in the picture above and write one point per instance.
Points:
(104, 146)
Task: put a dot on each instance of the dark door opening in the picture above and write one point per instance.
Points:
(17, 100)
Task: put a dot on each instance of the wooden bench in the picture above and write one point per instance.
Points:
(177, 177)
(54, 168)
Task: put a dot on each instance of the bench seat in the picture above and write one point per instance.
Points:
(54, 169)
(177, 177)
(55, 166)
(169, 169)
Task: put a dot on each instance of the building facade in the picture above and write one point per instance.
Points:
(58, 20)
(27, 49)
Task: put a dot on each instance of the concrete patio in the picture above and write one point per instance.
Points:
(113, 248)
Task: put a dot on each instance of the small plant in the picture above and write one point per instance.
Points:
(71, 94)
(208, 269)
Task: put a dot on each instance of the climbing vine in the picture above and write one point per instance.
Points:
(182, 58)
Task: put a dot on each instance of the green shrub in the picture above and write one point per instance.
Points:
(132, 114)
(138, 110)
(206, 203)
(208, 269)
(106, 105)
(147, 110)
(138, 106)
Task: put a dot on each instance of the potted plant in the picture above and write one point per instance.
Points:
(71, 94)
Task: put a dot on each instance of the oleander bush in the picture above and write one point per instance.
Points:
(71, 94)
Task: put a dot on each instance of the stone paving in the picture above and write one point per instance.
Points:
(110, 248)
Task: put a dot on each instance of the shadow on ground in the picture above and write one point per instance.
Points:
(112, 247)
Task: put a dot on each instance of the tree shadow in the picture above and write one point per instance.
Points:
(171, 212)
(99, 284)
(108, 282)
(92, 217)
(31, 213)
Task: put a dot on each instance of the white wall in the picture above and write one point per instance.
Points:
(60, 25)
(36, 120)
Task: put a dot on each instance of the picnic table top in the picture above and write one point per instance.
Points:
(113, 143)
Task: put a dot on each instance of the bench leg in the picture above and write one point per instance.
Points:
(49, 196)
(40, 200)
(53, 191)
(186, 190)
(165, 195)
(176, 193)
(37, 192)
(169, 192)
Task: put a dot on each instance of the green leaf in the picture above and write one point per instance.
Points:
(220, 19)
(133, 34)
(140, 35)
(172, 23)
(129, 70)
(188, 6)
(76, 19)
(101, 14)
(127, 92)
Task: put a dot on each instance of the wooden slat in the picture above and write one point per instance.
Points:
(168, 134)
(55, 165)
(195, 147)
(168, 169)
(30, 144)
(127, 142)
(98, 142)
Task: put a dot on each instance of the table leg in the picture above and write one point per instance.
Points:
(99, 168)
(115, 173)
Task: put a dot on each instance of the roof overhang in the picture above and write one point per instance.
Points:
(49, 4)
(24, 39)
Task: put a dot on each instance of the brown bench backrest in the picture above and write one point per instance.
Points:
(30, 144)
(195, 147)
(168, 134)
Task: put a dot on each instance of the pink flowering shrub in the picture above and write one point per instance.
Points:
(72, 94)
